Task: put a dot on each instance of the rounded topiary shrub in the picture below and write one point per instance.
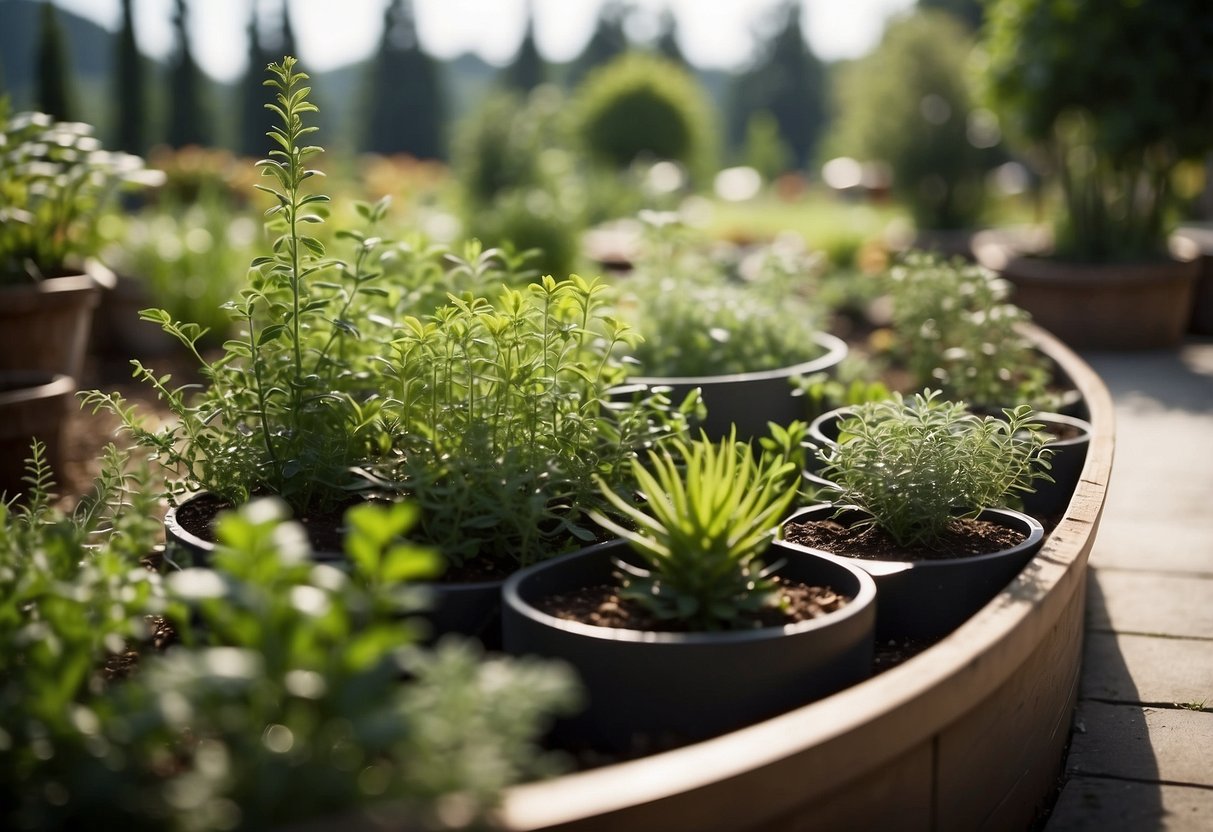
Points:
(644, 107)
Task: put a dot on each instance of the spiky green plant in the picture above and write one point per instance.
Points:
(711, 511)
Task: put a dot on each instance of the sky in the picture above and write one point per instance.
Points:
(330, 33)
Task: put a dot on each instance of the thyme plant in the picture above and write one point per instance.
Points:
(711, 510)
(501, 416)
(915, 465)
(284, 409)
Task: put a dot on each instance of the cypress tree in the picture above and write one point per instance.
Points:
(527, 70)
(54, 96)
(289, 46)
(252, 140)
(667, 40)
(130, 89)
(187, 121)
(788, 81)
(404, 106)
(608, 41)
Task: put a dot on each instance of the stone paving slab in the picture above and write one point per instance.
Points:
(1128, 542)
(1135, 669)
(1171, 745)
(1092, 804)
(1127, 601)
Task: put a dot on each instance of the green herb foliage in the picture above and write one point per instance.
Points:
(958, 330)
(915, 465)
(710, 512)
(500, 418)
(55, 179)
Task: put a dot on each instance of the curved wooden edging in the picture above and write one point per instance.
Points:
(967, 735)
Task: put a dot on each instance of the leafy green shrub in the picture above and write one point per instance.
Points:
(533, 220)
(1111, 133)
(297, 691)
(501, 421)
(642, 106)
(957, 330)
(283, 411)
(914, 466)
(711, 511)
(908, 103)
(698, 320)
(54, 182)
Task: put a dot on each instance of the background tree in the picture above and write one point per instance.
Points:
(606, 43)
(404, 107)
(130, 88)
(969, 12)
(787, 80)
(667, 40)
(908, 103)
(188, 121)
(527, 70)
(287, 45)
(53, 92)
(251, 139)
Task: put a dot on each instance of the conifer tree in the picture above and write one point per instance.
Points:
(527, 70)
(252, 140)
(53, 89)
(667, 40)
(289, 45)
(608, 41)
(188, 121)
(788, 81)
(130, 88)
(404, 106)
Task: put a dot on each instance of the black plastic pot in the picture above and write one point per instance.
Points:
(1069, 455)
(751, 400)
(470, 609)
(927, 599)
(648, 689)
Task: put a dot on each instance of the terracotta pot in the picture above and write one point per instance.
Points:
(44, 326)
(927, 599)
(751, 400)
(653, 687)
(32, 405)
(1115, 306)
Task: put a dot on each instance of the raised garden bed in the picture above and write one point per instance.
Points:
(968, 734)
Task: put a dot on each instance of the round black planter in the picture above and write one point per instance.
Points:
(751, 400)
(823, 433)
(649, 688)
(1050, 499)
(925, 600)
(470, 609)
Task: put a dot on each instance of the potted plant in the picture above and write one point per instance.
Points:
(1111, 135)
(696, 621)
(920, 484)
(740, 340)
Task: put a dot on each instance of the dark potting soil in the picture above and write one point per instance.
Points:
(325, 528)
(962, 538)
(601, 606)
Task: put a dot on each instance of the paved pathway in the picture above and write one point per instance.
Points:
(1141, 755)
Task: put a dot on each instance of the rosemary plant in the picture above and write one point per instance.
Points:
(915, 465)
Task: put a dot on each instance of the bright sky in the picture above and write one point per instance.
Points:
(712, 33)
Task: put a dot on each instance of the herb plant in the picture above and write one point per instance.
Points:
(284, 410)
(710, 512)
(296, 691)
(958, 331)
(500, 417)
(915, 465)
(55, 179)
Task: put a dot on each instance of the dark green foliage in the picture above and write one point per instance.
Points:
(788, 80)
(251, 139)
(667, 40)
(189, 120)
(287, 44)
(645, 108)
(606, 43)
(54, 96)
(130, 88)
(527, 70)
(1112, 94)
(971, 13)
(907, 103)
(405, 109)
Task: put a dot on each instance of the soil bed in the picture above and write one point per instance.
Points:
(963, 537)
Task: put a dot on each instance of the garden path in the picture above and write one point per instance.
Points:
(1141, 752)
